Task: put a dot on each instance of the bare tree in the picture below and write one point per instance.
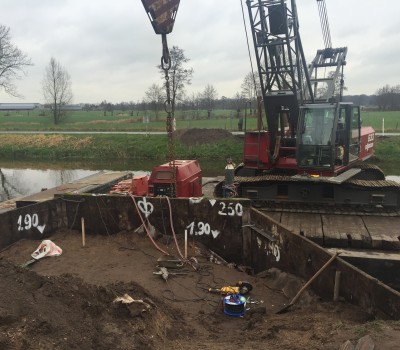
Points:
(388, 98)
(155, 96)
(179, 75)
(209, 96)
(249, 89)
(12, 62)
(57, 88)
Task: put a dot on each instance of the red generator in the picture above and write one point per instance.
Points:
(188, 179)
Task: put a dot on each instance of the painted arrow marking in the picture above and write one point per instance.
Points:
(41, 228)
(215, 233)
(212, 202)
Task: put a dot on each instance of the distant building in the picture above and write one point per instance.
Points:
(78, 107)
(20, 106)
(35, 106)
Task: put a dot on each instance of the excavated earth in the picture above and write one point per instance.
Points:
(67, 302)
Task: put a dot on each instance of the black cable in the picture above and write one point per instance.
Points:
(101, 217)
(76, 210)
(248, 49)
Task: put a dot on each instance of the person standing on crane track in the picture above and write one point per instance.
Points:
(229, 186)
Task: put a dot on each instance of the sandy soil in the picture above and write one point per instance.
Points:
(66, 302)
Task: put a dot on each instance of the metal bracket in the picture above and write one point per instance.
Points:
(162, 14)
(260, 231)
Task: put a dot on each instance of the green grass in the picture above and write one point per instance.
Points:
(110, 147)
(374, 119)
(124, 121)
(119, 121)
(387, 155)
(127, 147)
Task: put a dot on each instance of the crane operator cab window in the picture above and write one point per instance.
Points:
(315, 137)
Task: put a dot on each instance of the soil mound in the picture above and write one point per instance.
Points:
(191, 137)
(67, 302)
(64, 312)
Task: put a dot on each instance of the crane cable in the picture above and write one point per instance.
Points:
(248, 50)
(169, 106)
(323, 16)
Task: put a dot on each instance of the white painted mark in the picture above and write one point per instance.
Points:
(41, 228)
(201, 229)
(215, 233)
(231, 209)
(145, 207)
(195, 200)
(212, 202)
(29, 221)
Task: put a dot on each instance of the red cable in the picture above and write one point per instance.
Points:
(145, 227)
(172, 228)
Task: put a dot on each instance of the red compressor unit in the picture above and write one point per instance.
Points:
(188, 179)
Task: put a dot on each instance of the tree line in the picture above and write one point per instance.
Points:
(57, 90)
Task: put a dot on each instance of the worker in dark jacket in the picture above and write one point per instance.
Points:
(229, 177)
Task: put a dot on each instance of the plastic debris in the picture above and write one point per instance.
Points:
(46, 248)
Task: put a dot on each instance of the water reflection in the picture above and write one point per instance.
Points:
(22, 182)
(22, 178)
(393, 178)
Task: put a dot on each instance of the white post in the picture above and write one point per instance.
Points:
(383, 126)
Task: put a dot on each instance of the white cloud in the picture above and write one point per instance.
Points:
(111, 52)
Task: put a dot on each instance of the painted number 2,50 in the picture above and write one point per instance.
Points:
(231, 209)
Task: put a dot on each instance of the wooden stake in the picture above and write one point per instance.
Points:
(83, 232)
(186, 244)
(311, 280)
(337, 286)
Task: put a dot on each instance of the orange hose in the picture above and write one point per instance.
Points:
(145, 227)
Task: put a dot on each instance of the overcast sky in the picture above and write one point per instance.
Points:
(111, 51)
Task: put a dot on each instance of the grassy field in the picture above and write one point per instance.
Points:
(119, 121)
(375, 119)
(109, 147)
(127, 147)
(124, 121)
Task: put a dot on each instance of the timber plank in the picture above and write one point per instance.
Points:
(274, 215)
(384, 232)
(304, 224)
(345, 231)
(87, 184)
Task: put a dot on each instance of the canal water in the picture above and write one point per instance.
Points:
(19, 179)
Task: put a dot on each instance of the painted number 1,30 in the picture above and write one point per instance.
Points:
(202, 229)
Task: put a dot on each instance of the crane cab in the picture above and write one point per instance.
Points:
(329, 137)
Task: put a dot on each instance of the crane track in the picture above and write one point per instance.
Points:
(280, 178)
(328, 207)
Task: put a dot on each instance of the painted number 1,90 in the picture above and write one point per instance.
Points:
(27, 222)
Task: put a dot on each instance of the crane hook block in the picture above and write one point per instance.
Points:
(162, 14)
